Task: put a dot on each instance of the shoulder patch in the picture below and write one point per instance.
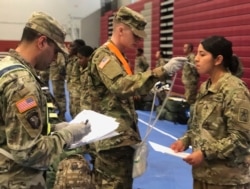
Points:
(243, 115)
(104, 61)
(34, 120)
(26, 104)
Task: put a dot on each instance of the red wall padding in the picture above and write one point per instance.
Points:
(155, 39)
(6, 45)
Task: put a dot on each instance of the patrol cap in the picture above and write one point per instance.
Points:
(48, 26)
(133, 19)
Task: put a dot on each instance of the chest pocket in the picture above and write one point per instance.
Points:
(210, 111)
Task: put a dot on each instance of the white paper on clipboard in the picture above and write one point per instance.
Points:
(102, 127)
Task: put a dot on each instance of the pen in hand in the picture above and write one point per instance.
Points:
(86, 122)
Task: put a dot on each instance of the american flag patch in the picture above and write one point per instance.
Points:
(104, 61)
(26, 104)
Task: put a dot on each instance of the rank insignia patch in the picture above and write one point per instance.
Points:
(243, 115)
(104, 61)
(26, 104)
(34, 120)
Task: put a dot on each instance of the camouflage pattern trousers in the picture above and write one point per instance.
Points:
(113, 168)
(203, 185)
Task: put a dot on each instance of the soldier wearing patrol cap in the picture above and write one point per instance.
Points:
(112, 87)
(219, 131)
(27, 147)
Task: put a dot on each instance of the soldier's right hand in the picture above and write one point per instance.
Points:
(60, 126)
(177, 146)
(174, 64)
(78, 131)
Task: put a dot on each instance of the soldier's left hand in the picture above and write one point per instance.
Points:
(195, 158)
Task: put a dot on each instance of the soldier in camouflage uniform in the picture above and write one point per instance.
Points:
(56, 176)
(160, 61)
(83, 54)
(220, 127)
(73, 77)
(25, 149)
(141, 64)
(190, 76)
(57, 77)
(112, 87)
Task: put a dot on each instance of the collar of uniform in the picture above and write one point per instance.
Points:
(15, 55)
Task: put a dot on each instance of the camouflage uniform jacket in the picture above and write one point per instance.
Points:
(22, 124)
(190, 79)
(70, 62)
(57, 68)
(141, 64)
(85, 100)
(220, 127)
(75, 76)
(112, 91)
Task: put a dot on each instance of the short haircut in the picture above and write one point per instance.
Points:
(29, 34)
(79, 42)
(85, 51)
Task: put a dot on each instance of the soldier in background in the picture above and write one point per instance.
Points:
(160, 61)
(60, 174)
(219, 130)
(112, 87)
(73, 76)
(83, 54)
(188, 51)
(190, 77)
(26, 149)
(141, 64)
(57, 76)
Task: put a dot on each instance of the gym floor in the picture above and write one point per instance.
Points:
(163, 170)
